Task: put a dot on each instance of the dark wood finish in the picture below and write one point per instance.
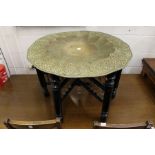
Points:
(97, 83)
(46, 124)
(118, 76)
(109, 87)
(146, 125)
(90, 90)
(69, 89)
(42, 80)
(149, 68)
(57, 96)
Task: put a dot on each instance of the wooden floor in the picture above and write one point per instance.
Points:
(22, 98)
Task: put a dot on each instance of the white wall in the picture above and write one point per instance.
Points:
(15, 41)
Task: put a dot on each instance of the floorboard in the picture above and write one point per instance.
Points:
(22, 98)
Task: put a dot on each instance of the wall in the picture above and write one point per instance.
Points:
(14, 42)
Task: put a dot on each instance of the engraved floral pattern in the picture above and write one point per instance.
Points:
(79, 54)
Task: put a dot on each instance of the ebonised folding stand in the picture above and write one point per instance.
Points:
(109, 87)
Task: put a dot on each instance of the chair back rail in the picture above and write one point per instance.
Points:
(144, 125)
(17, 124)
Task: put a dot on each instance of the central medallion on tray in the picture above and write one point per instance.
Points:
(79, 48)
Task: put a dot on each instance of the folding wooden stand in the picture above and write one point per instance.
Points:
(109, 87)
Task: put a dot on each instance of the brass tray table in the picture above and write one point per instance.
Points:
(62, 57)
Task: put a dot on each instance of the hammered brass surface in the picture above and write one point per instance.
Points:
(79, 54)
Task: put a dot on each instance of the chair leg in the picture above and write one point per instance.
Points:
(109, 86)
(57, 96)
(42, 82)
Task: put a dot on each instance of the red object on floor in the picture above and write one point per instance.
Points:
(3, 75)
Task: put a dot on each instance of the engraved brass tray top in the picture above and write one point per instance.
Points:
(79, 54)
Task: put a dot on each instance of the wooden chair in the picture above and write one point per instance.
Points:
(47, 124)
(146, 125)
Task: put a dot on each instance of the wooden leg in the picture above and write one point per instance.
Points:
(57, 96)
(42, 82)
(109, 86)
(143, 73)
(117, 79)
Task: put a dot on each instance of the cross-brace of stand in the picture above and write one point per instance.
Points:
(109, 87)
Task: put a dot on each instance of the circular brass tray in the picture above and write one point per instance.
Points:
(79, 54)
